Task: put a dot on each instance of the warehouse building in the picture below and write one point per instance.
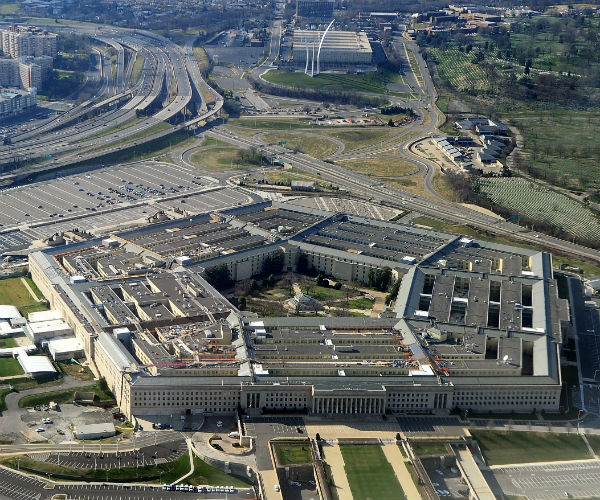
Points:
(340, 49)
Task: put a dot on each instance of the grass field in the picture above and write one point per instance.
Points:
(207, 474)
(13, 292)
(219, 159)
(573, 162)
(542, 204)
(429, 448)
(113, 130)
(307, 144)
(201, 58)
(267, 123)
(359, 137)
(9, 8)
(137, 68)
(380, 167)
(373, 82)
(456, 68)
(285, 177)
(370, 475)
(501, 447)
(10, 367)
(209, 141)
(288, 454)
(62, 396)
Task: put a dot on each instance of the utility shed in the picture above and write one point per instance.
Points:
(95, 431)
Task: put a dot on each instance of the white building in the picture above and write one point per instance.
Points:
(35, 365)
(48, 329)
(65, 348)
(340, 49)
(95, 431)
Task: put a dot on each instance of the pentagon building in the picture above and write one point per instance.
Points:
(475, 325)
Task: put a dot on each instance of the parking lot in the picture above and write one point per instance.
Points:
(106, 198)
(16, 486)
(266, 428)
(441, 426)
(349, 206)
(284, 426)
(64, 421)
(445, 477)
(149, 455)
(551, 481)
(94, 190)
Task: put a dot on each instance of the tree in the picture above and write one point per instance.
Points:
(273, 264)
(380, 278)
(219, 277)
(242, 303)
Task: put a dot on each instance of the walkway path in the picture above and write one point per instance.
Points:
(333, 456)
(396, 460)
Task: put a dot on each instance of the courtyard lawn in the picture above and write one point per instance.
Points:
(289, 454)
(370, 475)
(437, 448)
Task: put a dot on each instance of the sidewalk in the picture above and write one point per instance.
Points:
(396, 460)
(333, 456)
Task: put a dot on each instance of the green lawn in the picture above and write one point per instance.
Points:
(9, 367)
(13, 292)
(136, 71)
(219, 159)
(374, 82)
(380, 167)
(9, 8)
(7, 342)
(572, 163)
(209, 141)
(268, 123)
(361, 303)
(359, 137)
(430, 448)
(62, 396)
(594, 441)
(207, 474)
(511, 447)
(307, 144)
(321, 292)
(289, 454)
(34, 287)
(370, 475)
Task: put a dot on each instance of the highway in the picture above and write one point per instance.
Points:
(164, 86)
(381, 193)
